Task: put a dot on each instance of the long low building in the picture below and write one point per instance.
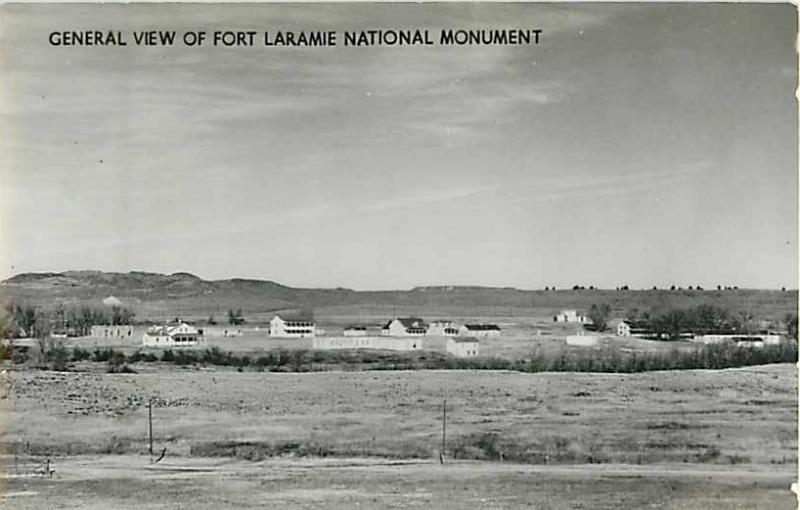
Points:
(765, 339)
(367, 342)
(480, 330)
(107, 331)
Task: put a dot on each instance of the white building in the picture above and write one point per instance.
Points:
(368, 342)
(171, 335)
(405, 326)
(583, 340)
(112, 331)
(463, 347)
(569, 316)
(355, 331)
(621, 328)
(765, 339)
(442, 328)
(480, 330)
(291, 328)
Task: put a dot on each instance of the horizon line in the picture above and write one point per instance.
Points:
(545, 288)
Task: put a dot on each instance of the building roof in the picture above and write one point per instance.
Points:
(482, 327)
(167, 329)
(408, 322)
(359, 328)
(464, 340)
(295, 318)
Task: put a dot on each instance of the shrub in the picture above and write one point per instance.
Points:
(79, 354)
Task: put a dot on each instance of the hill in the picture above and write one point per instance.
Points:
(154, 295)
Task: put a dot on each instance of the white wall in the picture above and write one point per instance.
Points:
(582, 340)
(368, 342)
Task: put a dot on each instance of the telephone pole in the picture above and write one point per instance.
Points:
(150, 425)
(444, 428)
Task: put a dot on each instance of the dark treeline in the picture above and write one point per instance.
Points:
(704, 319)
(26, 320)
(301, 360)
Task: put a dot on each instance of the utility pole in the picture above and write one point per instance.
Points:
(444, 428)
(150, 425)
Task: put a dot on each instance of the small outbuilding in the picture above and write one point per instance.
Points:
(463, 347)
(621, 328)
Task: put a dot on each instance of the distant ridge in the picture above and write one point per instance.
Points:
(155, 294)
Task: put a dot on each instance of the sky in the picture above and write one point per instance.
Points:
(635, 145)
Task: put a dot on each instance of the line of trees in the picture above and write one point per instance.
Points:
(704, 319)
(27, 320)
(607, 360)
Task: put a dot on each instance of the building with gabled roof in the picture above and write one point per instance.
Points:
(178, 334)
(354, 330)
(291, 328)
(405, 326)
(442, 327)
(480, 330)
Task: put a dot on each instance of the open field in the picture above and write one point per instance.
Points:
(679, 439)
(101, 482)
(735, 416)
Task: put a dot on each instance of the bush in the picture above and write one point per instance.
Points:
(79, 354)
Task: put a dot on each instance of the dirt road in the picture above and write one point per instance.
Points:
(130, 481)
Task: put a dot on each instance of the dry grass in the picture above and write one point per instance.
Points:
(128, 482)
(728, 416)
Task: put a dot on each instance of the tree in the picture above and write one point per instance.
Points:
(599, 316)
(235, 317)
(121, 316)
(211, 320)
(791, 326)
(25, 320)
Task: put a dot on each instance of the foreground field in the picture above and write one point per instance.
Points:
(130, 482)
(691, 439)
(734, 416)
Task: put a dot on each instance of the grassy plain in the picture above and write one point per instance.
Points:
(735, 416)
(680, 439)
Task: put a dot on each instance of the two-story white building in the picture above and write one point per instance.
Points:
(291, 328)
(442, 328)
